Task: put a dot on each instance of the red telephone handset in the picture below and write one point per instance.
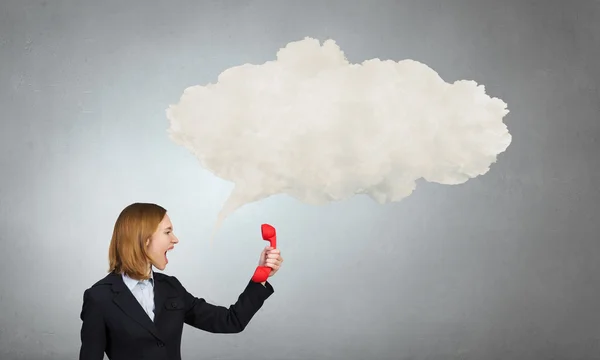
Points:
(261, 274)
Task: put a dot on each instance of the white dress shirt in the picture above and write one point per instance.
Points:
(143, 292)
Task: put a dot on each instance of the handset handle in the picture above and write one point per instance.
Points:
(261, 274)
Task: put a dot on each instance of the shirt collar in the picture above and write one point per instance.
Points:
(131, 283)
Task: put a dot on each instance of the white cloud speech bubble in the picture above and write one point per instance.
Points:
(319, 128)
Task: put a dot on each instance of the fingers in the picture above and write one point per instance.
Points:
(273, 254)
(272, 259)
(274, 266)
(276, 260)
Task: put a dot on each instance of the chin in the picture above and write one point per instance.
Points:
(160, 265)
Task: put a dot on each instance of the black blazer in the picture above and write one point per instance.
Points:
(116, 324)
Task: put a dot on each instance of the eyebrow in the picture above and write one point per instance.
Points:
(169, 228)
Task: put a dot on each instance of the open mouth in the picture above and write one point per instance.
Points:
(169, 249)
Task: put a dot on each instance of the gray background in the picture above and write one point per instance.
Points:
(502, 267)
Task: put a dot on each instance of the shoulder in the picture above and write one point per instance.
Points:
(168, 279)
(170, 284)
(101, 289)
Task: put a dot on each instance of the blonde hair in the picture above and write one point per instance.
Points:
(127, 250)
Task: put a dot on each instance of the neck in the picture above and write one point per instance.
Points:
(148, 274)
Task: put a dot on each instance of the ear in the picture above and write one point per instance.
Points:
(147, 241)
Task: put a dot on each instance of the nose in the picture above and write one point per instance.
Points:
(175, 239)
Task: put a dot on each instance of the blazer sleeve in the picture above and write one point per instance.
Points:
(226, 320)
(93, 330)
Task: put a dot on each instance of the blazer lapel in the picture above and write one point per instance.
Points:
(160, 296)
(130, 306)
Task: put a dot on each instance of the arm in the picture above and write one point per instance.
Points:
(93, 330)
(222, 320)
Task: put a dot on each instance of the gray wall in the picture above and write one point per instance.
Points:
(502, 267)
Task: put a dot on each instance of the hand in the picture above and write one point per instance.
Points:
(272, 258)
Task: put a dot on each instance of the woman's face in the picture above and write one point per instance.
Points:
(162, 240)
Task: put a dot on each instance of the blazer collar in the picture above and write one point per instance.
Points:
(131, 283)
(125, 300)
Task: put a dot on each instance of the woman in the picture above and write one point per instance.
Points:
(135, 313)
